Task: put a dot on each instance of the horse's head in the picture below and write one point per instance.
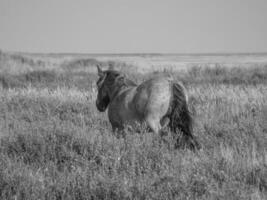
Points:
(104, 85)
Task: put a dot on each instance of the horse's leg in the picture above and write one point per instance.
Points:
(118, 130)
(153, 123)
(164, 124)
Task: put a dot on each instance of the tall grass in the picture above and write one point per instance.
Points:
(55, 145)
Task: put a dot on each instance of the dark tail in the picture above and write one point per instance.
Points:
(181, 119)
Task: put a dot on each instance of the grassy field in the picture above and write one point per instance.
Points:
(55, 145)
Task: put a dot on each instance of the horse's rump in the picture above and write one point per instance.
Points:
(153, 96)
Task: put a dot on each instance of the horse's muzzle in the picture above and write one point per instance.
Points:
(100, 107)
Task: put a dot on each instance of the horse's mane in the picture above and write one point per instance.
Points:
(120, 78)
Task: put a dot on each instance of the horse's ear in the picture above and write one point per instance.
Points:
(99, 71)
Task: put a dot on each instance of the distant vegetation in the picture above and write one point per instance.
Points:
(233, 75)
(55, 145)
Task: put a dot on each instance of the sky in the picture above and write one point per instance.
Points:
(133, 26)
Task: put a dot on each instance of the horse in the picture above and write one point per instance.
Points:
(158, 102)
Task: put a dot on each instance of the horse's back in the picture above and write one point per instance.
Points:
(153, 96)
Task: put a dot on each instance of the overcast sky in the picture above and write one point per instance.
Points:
(133, 26)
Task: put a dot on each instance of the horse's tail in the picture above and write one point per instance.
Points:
(180, 117)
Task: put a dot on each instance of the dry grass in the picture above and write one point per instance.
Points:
(55, 145)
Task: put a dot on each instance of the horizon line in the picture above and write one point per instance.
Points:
(137, 53)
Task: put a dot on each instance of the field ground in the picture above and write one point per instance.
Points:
(54, 144)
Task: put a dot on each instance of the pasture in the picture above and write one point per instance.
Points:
(54, 144)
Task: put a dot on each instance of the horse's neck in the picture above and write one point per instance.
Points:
(119, 87)
(115, 90)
